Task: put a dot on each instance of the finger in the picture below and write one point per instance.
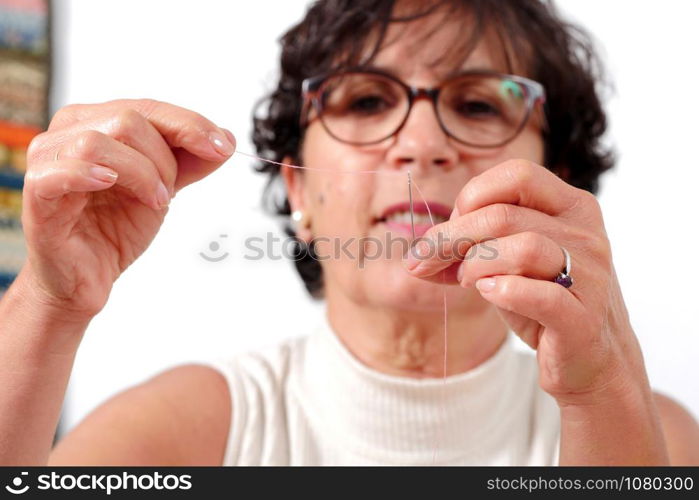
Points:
(132, 129)
(46, 184)
(519, 182)
(450, 241)
(129, 128)
(528, 253)
(206, 145)
(199, 145)
(181, 127)
(547, 302)
(191, 168)
(136, 172)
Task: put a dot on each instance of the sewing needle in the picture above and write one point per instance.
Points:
(410, 197)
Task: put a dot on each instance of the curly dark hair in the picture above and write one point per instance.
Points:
(334, 35)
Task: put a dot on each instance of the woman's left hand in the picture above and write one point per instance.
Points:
(584, 341)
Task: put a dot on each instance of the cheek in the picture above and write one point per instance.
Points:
(528, 145)
(323, 191)
(340, 200)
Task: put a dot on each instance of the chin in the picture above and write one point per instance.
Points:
(391, 286)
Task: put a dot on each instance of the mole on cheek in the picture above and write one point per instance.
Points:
(326, 189)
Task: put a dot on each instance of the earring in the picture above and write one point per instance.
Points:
(300, 219)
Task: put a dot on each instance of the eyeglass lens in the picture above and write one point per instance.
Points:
(482, 110)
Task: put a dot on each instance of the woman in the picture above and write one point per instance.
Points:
(504, 175)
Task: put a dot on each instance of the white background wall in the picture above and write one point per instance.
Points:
(218, 57)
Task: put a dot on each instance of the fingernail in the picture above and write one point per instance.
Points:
(454, 212)
(485, 284)
(460, 272)
(229, 134)
(221, 143)
(162, 196)
(103, 174)
(417, 254)
(411, 261)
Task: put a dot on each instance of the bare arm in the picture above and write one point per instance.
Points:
(96, 192)
(626, 429)
(681, 431)
(620, 426)
(37, 349)
(180, 417)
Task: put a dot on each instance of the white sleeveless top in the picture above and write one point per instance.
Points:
(309, 401)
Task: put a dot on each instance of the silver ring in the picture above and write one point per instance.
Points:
(564, 278)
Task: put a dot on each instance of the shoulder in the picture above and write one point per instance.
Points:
(680, 429)
(182, 416)
(256, 379)
(259, 386)
(178, 417)
(269, 366)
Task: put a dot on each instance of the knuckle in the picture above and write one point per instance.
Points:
(88, 145)
(600, 248)
(36, 148)
(530, 248)
(199, 120)
(30, 181)
(65, 113)
(588, 202)
(197, 124)
(147, 105)
(588, 198)
(195, 120)
(127, 123)
(501, 218)
(441, 237)
(520, 171)
(34, 181)
(467, 193)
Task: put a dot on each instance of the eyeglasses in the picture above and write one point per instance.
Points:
(476, 108)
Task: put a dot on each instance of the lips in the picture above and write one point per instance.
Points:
(397, 216)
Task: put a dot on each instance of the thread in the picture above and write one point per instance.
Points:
(317, 169)
(444, 292)
(411, 182)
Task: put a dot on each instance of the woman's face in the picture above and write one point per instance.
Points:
(343, 208)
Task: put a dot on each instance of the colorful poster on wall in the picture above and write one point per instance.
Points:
(24, 86)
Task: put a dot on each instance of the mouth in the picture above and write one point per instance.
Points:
(397, 216)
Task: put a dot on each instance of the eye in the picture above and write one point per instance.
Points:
(477, 109)
(369, 104)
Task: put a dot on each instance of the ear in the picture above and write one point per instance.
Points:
(294, 181)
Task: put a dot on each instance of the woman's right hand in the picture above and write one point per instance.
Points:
(97, 187)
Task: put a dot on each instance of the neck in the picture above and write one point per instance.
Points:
(411, 343)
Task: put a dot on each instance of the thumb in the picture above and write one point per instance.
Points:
(525, 328)
(192, 168)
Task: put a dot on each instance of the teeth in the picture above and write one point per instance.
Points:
(404, 218)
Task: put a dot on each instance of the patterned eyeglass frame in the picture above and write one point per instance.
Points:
(311, 90)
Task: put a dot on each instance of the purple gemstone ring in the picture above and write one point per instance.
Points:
(564, 277)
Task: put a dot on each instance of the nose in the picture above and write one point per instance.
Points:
(421, 142)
